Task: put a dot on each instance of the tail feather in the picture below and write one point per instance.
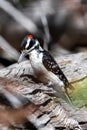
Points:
(70, 87)
(62, 93)
(68, 99)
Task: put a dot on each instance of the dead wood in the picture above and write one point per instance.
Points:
(19, 80)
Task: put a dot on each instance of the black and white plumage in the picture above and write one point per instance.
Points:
(44, 66)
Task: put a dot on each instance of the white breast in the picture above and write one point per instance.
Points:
(36, 61)
(38, 67)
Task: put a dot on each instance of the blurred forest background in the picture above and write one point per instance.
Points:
(60, 25)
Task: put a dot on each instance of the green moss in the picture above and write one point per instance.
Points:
(79, 94)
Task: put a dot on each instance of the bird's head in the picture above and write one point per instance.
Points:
(28, 44)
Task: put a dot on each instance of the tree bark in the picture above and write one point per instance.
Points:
(19, 80)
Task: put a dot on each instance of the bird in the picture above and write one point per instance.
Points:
(45, 67)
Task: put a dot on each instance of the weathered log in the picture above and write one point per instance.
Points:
(19, 79)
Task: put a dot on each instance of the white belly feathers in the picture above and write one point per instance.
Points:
(41, 71)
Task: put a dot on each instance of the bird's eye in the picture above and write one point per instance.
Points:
(32, 42)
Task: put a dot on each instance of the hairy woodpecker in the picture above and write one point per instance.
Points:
(44, 66)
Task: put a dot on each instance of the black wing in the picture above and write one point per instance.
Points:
(51, 65)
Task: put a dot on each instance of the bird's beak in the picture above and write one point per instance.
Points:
(22, 57)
